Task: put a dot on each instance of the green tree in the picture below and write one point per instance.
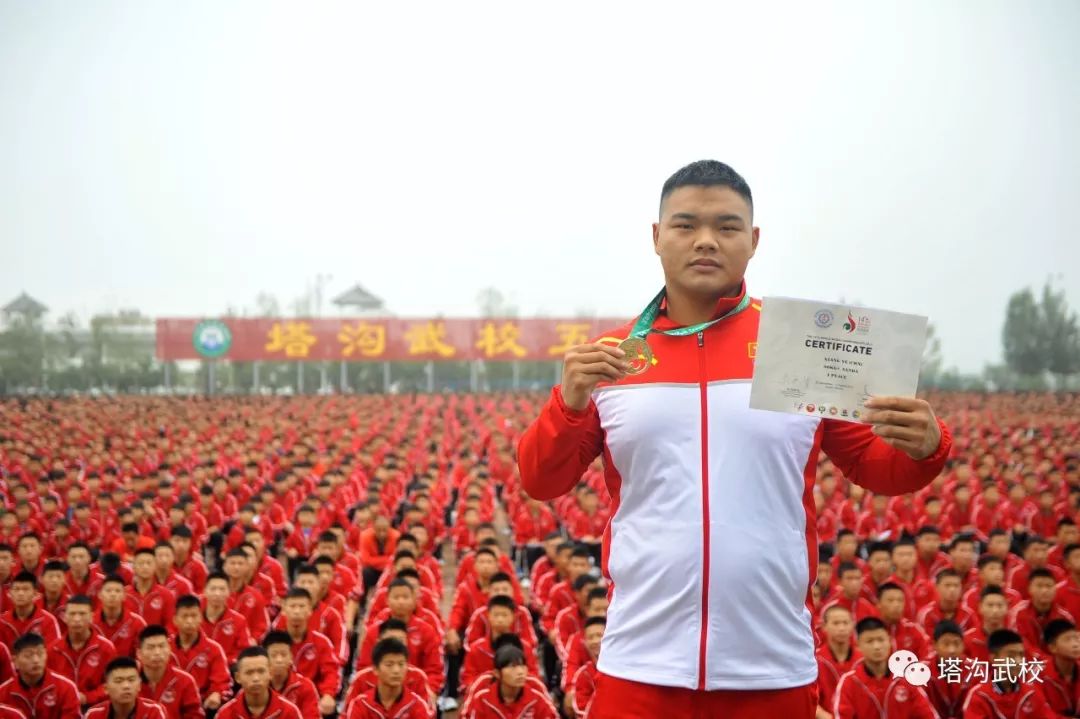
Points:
(1061, 335)
(1024, 335)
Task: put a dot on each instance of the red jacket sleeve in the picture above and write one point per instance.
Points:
(220, 679)
(191, 702)
(430, 661)
(558, 447)
(329, 672)
(867, 460)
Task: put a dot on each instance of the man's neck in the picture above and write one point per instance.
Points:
(78, 639)
(236, 585)
(256, 704)
(1041, 610)
(142, 586)
(908, 576)
(24, 612)
(841, 649)
(296, 633)
(1065, 666)
(989, 628)
(876, 669)
(122, 711)
(186, 640)
(878, 577)
(112, 616)
(214, 611)
(154, 674)
(388, 696)
(948, 608)
(161, 577)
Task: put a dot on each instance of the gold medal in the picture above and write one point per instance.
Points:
(638, 354)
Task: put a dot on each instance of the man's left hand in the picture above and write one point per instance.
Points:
(907, 423)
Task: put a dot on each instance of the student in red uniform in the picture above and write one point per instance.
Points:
(948, 689)
(501, 586)
(1061, 678)
(378, 544)
(1069, 588)
(34, 691)
(198, 655)
(480, 656)
(509, 694)
(962, 556)
(918, 591)
(145, 595)
(415, 679)
(53, 585)
(81, 579)
(1029, 618)
(905, 634)
(1009, 698)
(283, 678)
(225, 626)
(256, 697)
(993, 612)
(991, 573)
(122, 685)
(869, 690)
(25, 616)
(425, 644)
(571, 619)
(850, 596)
(163, 682)
(313, 655)
(244, 598)
(82, 654)
(581, 684)
(948, 605)
(114, 621)
(836, 655)
(390, 698)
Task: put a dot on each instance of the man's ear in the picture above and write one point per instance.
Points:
(756, 235)
(656, 238)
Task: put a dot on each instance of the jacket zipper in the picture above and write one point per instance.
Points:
(703, 385)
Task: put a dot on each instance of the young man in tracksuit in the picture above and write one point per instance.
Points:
(711, 545)
(34, 691)
(1009, 698)
(122, 684)
(869, 690)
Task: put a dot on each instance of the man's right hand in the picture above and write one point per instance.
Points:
(586, 366)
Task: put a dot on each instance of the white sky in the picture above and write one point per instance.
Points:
(182, 157)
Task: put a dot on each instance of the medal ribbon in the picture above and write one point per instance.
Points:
(644, 324)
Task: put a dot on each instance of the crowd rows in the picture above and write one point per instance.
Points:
(376, 557)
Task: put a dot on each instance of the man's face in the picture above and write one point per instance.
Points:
(297, 611)
(123, 685)
(235, 567)
(593, 637)
(391, 670)
(501, 589)
(22, 594)
(78, 560)
(1042, 591)
(949, 646)
(6, 560)
(29, 551)
(280, 659)
(838, 625)
(875, 645)
(562, 560)
(1067, 645)
(514, 677)
(217, 591)
(111, 595)
(326, 576)
(181, 546)
(992, 573)
(949, 590)
(144, 566)
(154, 652)
(382, 528)
(891, 606)
(880, 563)
(53, 581)
(963, 556)
(578, 567)
(30, 663)
(501, 620)
(851, 582)
(486, 566)
(326, 549)
(310, 582)
(928, 544)
(164, 559)
(998, 546)
(188, 620)
(402, 637)
(904, 558)
(1072, 562)
(253, 675)
(597, 607)
(993, 609)
(78, 617)
(401, 601)
(704, 223)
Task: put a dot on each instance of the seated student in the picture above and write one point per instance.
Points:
(471, 595)
(25, 617)
(199, 655)
(415, 679)
(428, 603)
(1061, 678)
(325, 618)
(582, 683)
(918, 591)
(243, 597)
(35, 691)
(948, 689)
(947, 606)
(991, 574)
(501, 586)
(905, 634)
(1030, 617)
(82, 653)
(256, 697)
(850, 582)
(7, 668)
(390, 698)
(225, 626)
(508, 693)
(572, 619)
(1009, 697)
(145, 595)
(163, 682)
(115, 622)
(869, 690)
(836, 655)
(425, 644)
(992, 613)
(53, 595)
(480, 656)
(313, 655)
(283, 678)
(122, 685)
(561, 595)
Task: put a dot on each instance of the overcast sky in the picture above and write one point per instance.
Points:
(183, 157)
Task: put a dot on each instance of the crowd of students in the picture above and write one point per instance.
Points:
(255, 557)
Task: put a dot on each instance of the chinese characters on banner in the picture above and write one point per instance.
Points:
(367, 339)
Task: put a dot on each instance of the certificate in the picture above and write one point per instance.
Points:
(816, 358)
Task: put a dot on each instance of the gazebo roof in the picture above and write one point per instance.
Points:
(24, 304)
(358, 297)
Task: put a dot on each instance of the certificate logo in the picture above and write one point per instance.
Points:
(810, 408)
(860, 324)
(823, 319)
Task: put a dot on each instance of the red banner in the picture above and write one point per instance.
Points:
(373, 340)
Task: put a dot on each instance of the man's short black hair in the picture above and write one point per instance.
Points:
(988, 559)
(81, 599)
(593, 621)
(151, 631)
(707, 173)
(945, 574)
(29, 640)
(276, 636)
(509, 656)
(398, 582)
(217, 575)
(188, 601)
(388, 647)
(120, 663)
(876, 547)
(889, 586)
(1002, 638)
(54, 565)
(867, 624)
(596, 593)
(249, 652)
(298, 593)
(1041, 573)
(580, 552)
(989, 590)
(182, 531)
(393, 625)
(1069, 549)
(500, 600)
(25, 577)
(946, 626)
(583, 581)
(928, 528)
(846, 567)
(1055, 629)
(500, 577)
(410, 572)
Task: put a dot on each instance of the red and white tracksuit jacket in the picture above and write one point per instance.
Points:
(278, 708)
(712, 543)
(144, 709)
(54, 697)
(86, 666)
(859, 695)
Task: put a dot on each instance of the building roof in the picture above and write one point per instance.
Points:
(24, 304)
(359, 298)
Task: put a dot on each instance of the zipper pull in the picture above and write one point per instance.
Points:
(701, 338)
